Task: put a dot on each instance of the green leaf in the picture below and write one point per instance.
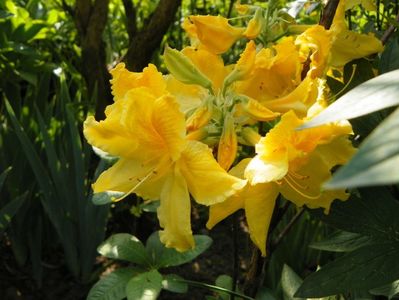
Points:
(342, 241)
(363, 269)
(174, 283)
(112, 286)
(145, 286)
(376, 161)
(9, 210)
(390, 56)
(374, 215)
(265, 293)
(226, 282)
(167, 257)
(373, 95)
(290, 282)
(388, 290)
(106, 197)
(3, 176)
(124, 246)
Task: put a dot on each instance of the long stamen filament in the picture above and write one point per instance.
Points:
(296, 189)
(141, 181)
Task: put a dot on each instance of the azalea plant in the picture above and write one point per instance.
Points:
(232, 136)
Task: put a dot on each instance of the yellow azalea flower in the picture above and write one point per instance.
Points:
(293, 163)
(276, 72)
(349, 45)
(215, 33)
(156, 161)
(315, 43)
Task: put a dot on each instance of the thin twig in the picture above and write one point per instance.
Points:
(328, 13)
(391, 29)
(286, 229)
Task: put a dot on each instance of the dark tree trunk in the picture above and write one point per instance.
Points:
(90, 20)
(143, 43)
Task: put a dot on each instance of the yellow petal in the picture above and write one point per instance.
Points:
(349, 45)
(174, 213)
(157, 123)
(263, 171)
(220, 211)
(210, 64)
(207, 182)
(110, 136)
(123, 80)
(255, 25)
(258, 111)
(259, 206)
(227, 149)
(215, 32)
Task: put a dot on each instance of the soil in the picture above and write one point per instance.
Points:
(17, 283)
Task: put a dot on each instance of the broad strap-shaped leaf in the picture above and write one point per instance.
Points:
(145, 286)
(342, 241)
(374, 215)
(388, 290)
(3, 176)
(174, 283)
(124, 246)
(363, 269)
(373, 95)
(376, 162)
(290, 282)
(112, 286)
(9, 210)
(166, 257)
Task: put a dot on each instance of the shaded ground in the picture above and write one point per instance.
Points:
(16, 282)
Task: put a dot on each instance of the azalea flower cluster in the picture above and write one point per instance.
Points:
(181, 134)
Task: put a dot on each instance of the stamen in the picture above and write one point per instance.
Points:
(346, 85)
(299, 192)
(140, 182)
(297, 175)
(293, 181)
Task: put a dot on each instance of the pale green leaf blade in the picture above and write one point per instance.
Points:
(112, 286)
(388, 290)
(124, 246)
(376, 162)
(375, 94)
(290, 282)
(342, 241)
(363, 269)
(145, 286)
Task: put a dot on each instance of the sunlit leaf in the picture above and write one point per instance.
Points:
(112, 286)
(124, 246)
(373, 95)
(145, 286)
(376, 162)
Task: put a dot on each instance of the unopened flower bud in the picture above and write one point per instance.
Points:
(255, 25)
(181, 67)
(250, 136)
(227, 150)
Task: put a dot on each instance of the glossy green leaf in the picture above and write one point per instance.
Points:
(373, 95)
(145, 286)
(124, 246)
(290, 282)
(112, 286)
(174, 283)
(376, 162)
(390, 56)
(388, 290)
(342, 241)
(375, 214)
(167, 257)
(363, 269)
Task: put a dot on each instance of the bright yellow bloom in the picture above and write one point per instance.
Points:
(293, 163)
(348, 45)
(156, 161)
(214, 32)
